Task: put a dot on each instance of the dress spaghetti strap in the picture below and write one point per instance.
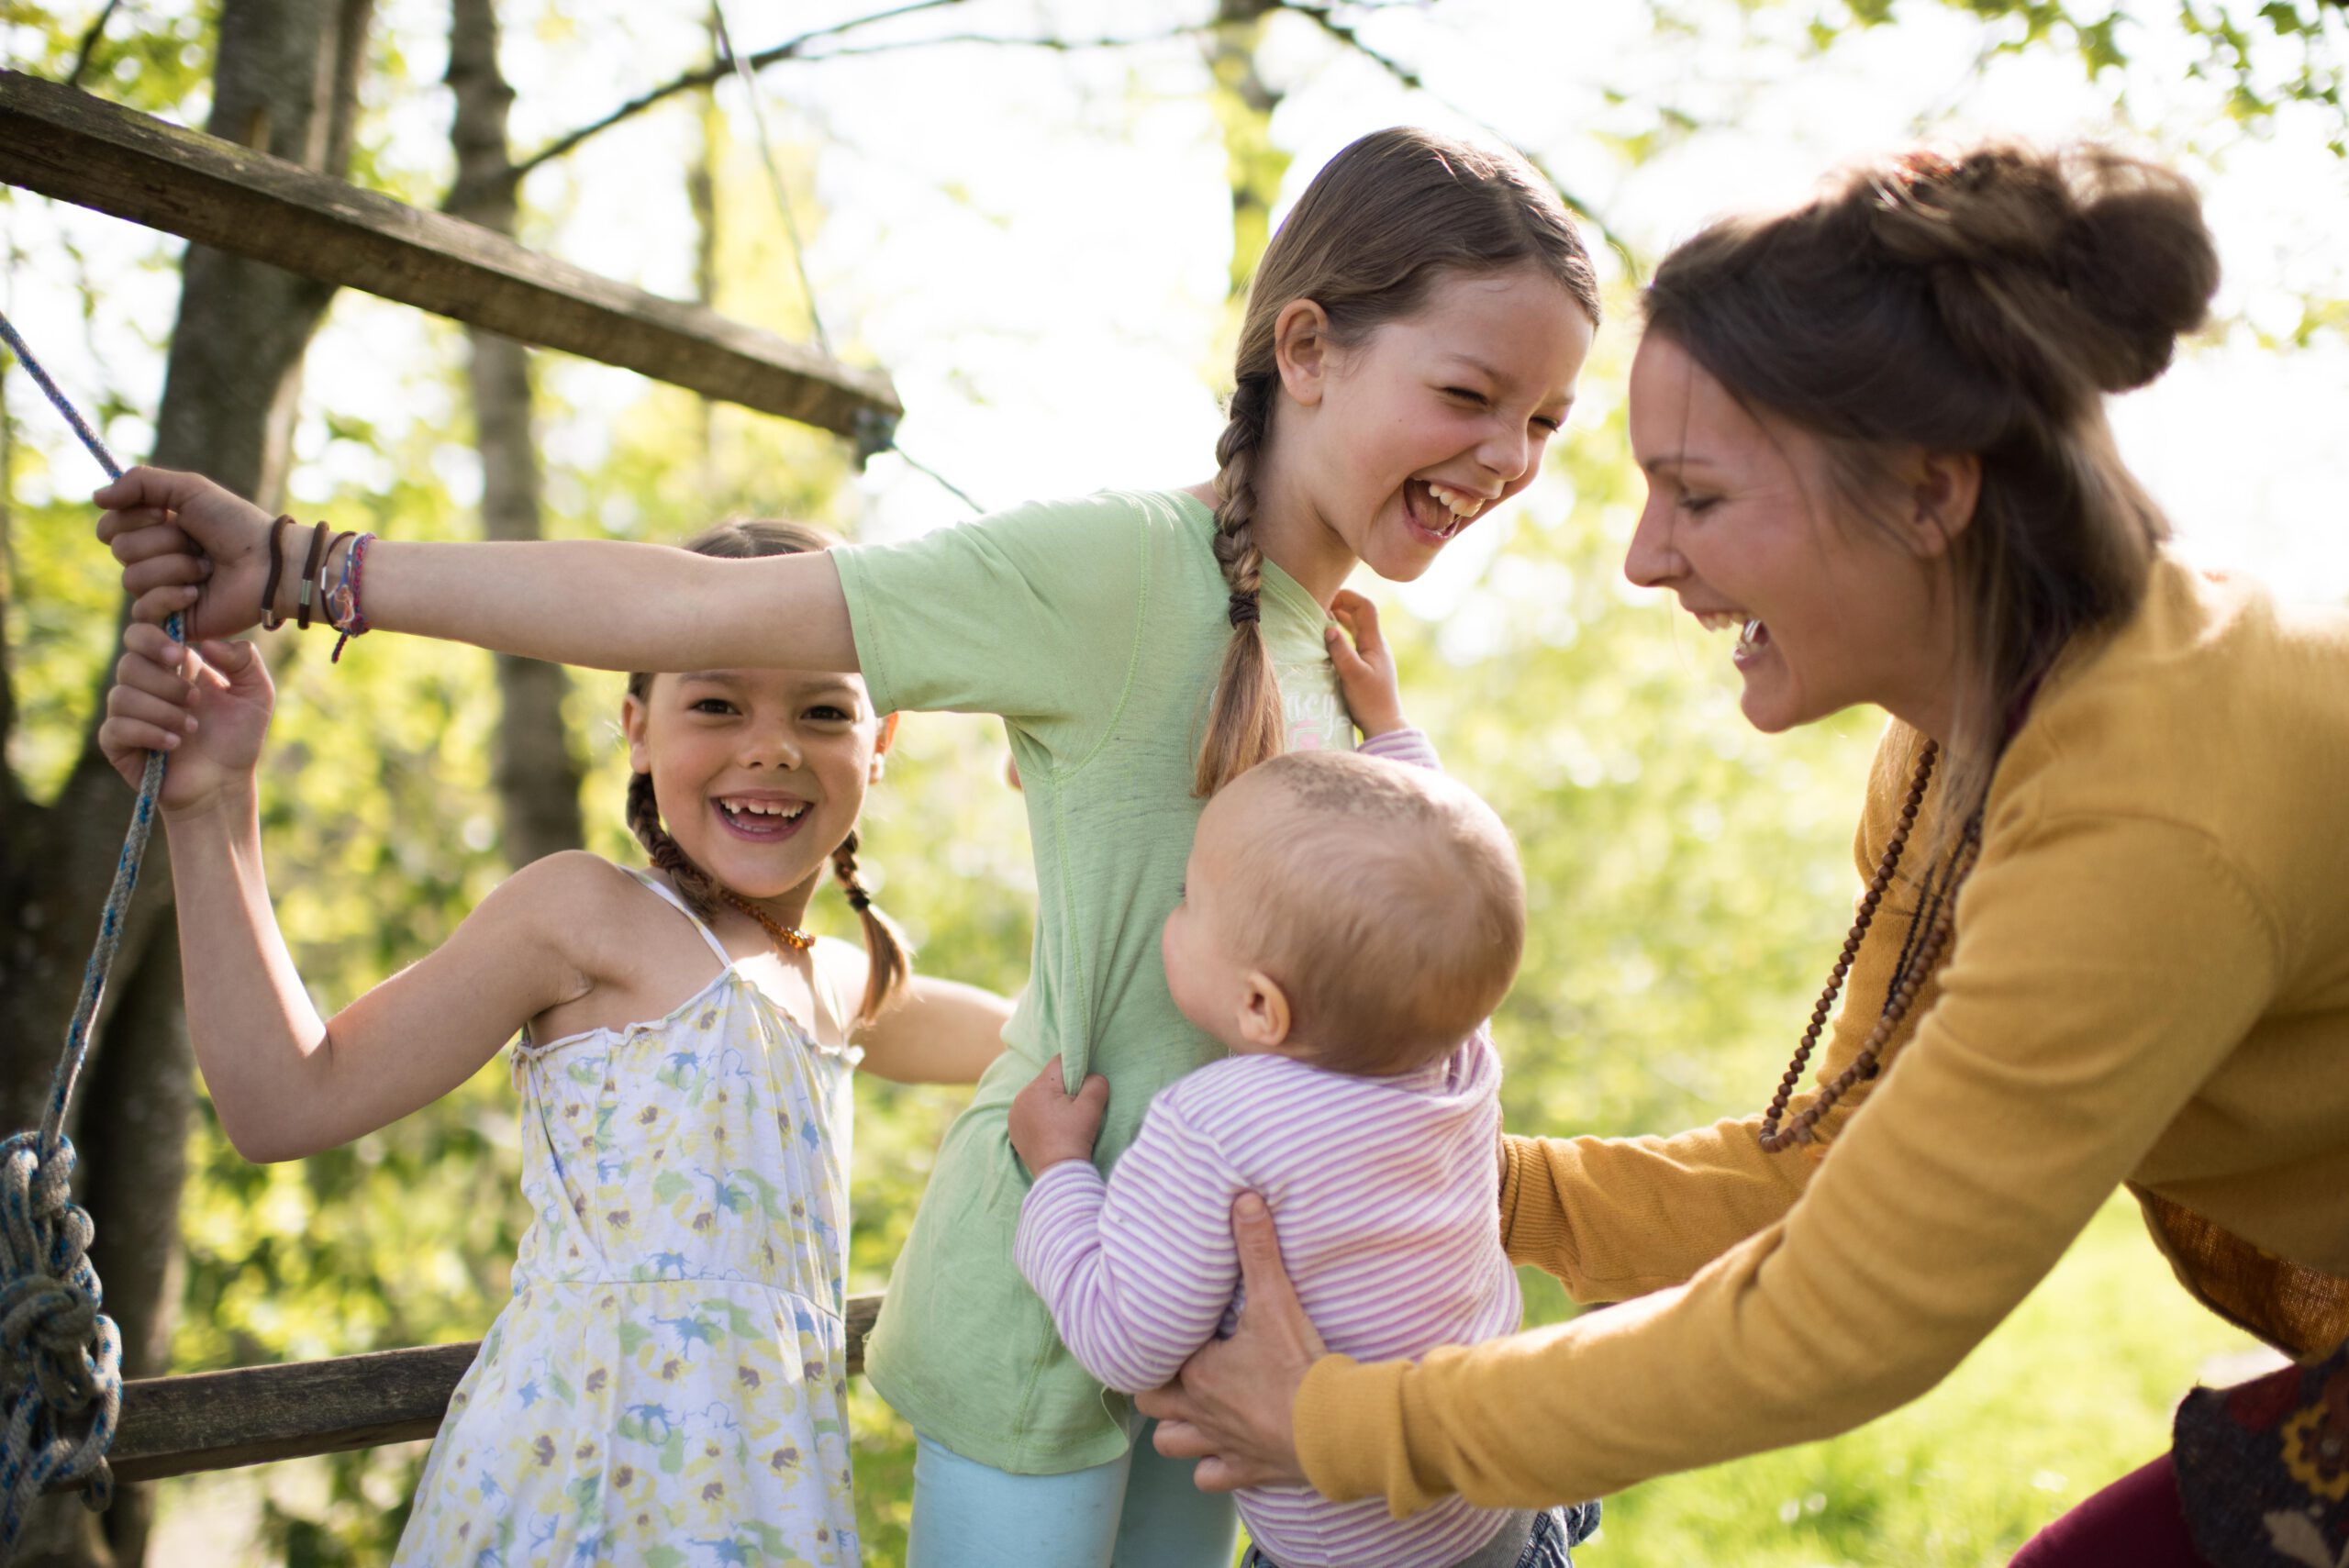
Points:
(669, 894)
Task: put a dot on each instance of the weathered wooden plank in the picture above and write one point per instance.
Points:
(219, 1420)
(67, 144)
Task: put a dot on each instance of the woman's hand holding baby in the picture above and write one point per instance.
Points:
(1049, 1125)
(208, 706)
(1366, 665)
(1233, 1407)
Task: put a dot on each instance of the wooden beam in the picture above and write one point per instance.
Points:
(219, 1420)
(67, 144)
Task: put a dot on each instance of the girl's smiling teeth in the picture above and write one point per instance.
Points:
(1450, 510)
(761, 817)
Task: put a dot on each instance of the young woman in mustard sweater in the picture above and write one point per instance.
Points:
(2105, 936)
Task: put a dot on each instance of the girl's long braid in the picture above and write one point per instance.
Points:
(888, 959)
(1397, 215)
(1245, 724)
(693, 884)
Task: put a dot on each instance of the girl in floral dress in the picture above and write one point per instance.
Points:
(667, 1383)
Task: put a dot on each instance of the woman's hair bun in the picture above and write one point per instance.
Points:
(2067, 271)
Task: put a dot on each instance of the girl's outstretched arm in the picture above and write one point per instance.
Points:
(935, 1032)
(191, 546)
(287, 1084)
(943, 1032)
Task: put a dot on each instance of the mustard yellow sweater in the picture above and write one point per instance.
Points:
(2149, 984)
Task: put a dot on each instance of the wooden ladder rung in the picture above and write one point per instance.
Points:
(252, 1415)
(66, 144)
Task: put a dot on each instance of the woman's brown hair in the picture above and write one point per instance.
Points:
(888, 959)
(1381, 224)
(1982, 302)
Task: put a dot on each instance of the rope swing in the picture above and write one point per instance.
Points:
(61, 1358)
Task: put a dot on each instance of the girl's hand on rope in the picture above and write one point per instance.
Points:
(191, 548)
(1232, 1407)
(1366, 665)
(1049, 1125)
(207, 706)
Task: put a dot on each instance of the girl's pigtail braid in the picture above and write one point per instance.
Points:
(1245, 725)
(888, 961)
(693, 884)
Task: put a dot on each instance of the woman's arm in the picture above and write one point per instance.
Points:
(1615, 1218)
(191, 546)
(2086, 1008)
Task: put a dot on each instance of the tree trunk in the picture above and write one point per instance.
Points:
(535, 770)
(286, 81)
(1244, 103)
(701, 196)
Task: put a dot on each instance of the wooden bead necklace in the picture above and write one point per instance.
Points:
(783, 936)
(1929, 933)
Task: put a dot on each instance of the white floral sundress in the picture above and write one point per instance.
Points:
(668, 1385)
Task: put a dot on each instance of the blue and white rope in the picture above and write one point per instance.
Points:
(61, 1358)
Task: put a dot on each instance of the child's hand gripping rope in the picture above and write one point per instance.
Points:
(1050, 1125)
(208, 706)
(192, 547)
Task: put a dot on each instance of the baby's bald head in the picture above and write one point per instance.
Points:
(1386, 900)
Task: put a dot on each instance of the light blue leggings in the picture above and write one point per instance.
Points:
(1137, 1511)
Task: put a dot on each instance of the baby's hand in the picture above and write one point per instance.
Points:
(1049, 1125)
(208, 706)
(1366, 665)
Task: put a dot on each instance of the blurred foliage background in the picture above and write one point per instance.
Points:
(1690, 879)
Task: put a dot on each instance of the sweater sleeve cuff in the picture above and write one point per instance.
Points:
(1350, 1433)
(1533, 1219)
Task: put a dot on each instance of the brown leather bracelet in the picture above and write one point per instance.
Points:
(270, 620)
(310, 576)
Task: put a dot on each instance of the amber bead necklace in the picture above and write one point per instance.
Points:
(1929, 933)
(783, 936)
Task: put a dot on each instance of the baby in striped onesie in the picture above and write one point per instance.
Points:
(1348, 922)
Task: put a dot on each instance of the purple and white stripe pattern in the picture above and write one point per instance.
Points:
(1394, 1251)
(1410, 745)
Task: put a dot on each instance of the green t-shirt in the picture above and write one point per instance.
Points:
(1096, 628)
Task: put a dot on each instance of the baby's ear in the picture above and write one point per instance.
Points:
(1264, 1016)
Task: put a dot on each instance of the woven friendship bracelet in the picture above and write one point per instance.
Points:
(343, 605)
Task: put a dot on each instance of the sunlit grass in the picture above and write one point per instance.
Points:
(2072, 1391)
